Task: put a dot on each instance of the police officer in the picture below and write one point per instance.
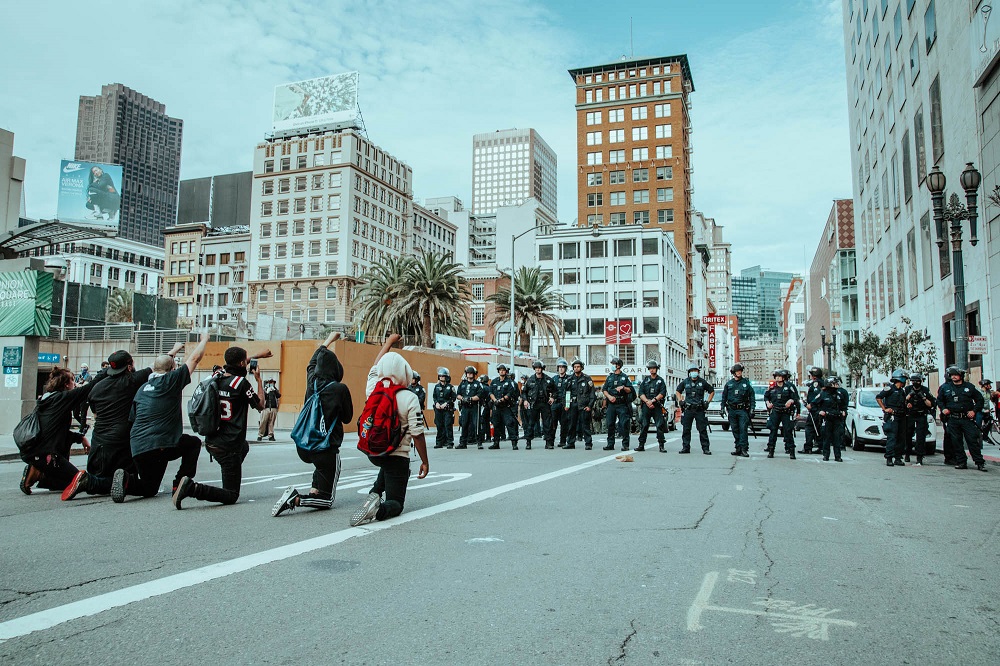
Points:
(738, 401)
(485, 410)
(652, 393)
(581, 397)
(690, 394)
(831, 406)
(782, 400)
(419, 390)
(560, 417)
(919, 402)
(618, 392)
(892, 400)
(504, 396)
(537, 398)
(470, 394)
(444, 410)
(960, 401)
(814, 391)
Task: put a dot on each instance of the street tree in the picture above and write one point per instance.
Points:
(536, 307)
(863, 356)
(434, 298)
(383, 287)
(119, 306)
(908, 349)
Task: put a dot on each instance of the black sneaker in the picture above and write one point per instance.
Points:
(734, 453)
(744, 453)
(609, 447)
(184, 488)
(260, 439)
(586, 447)
(791, 454)
(684, 451)
(527, 446)
(286, 502)
(480, 447)
(838, 460)
(770, 454)
(981, 466)
(493, 447)
(899, 462)
(707, 452)
(964, 465)
(569, 446)
(462, 446)
(119, 484)
(271, 438)
(513, 446)
(889, 463)
(29, 478)
(641, 447)
(625, 448)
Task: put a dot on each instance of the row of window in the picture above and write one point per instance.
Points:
(623, 74)
(598, 249)
(637, 112)
(638, 154)
(638, 134)
(299, 248)
(638, 176)
(298, 227)
(632, 91)
(622, 299)
(599, 274)
(268, 208)
(663, 195)
(312, 293)
(281, 271)
(650, 325)
(311, 315)
(663, 216)
(302, 161)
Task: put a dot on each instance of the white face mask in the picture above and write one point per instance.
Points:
(693, 375)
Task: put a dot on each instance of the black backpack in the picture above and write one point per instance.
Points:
(203, 407)
(28, 432)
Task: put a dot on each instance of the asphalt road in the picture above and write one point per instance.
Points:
(527, 557)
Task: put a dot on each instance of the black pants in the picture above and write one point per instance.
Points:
(444, 421)
(393, 474)
(964, 432)
(814, 440)
(468, 419)
(558, 418)
(697, 416)
(327, 472)
(152, 465)
(80, 413)
(739, 422)
(536, 414)
(895, 436)
(659, 422)
(620, 412)
(504, 420)
(107, 455)
(784, 421)
(57, 471)
(916, 434)
(833, 435)
(579, 425)
(231, 463)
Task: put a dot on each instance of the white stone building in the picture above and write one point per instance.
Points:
(107, 262)
(508, 167)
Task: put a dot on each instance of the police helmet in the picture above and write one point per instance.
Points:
(537, 364)
(736, 368)
(955, 370)
(416, 376)
(484, 378)
(694, 366)
(785, 374)
(816, 371)
(617, 361)
(652, 364)
(985, 382)
(821, 383)
(916, 377)
(444, 372)
(899, 376)
(833, 381)
(503, 367)
(562, 362)
(471, 369)
(578, 362)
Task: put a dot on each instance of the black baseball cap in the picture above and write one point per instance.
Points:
(118, 362)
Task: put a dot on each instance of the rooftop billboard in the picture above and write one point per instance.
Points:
(90, 193)
(327, 100)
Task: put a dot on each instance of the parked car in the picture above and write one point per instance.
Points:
(714, 411)
(864, 421)
(758, 424)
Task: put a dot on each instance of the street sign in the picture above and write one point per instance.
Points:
(713, 319)
(618, 332)
(11, 371)
(48, 358)
(978, 345)
(12, 357)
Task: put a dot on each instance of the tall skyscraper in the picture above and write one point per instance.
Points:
(122, 126)
(633, 149)
(757, 298)
(509, 166)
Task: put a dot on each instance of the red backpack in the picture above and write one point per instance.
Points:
(379, 427)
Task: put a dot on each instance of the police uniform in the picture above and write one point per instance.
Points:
(831, 406)
(504, 396)
(655, 389)
(421, 394)
(814, 391)
(444, 418)
(537, 393)
(916, 420)
(581, 397)
(485, 410)
(959, 400)
(619, 387)
(470, 394)
(781, 416)
(693, 396)
(894, 425)
(738, 399)
(559, 410)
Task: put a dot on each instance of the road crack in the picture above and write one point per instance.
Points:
(24, 595)
(620, 657)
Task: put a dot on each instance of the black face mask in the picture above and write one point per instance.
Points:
(238, 370)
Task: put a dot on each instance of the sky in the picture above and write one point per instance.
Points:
(769, 112)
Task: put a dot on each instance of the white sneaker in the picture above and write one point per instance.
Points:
(368, 510)
(285, 502)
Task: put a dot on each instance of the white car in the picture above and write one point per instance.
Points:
(864, 420)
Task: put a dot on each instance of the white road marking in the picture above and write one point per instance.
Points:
(739, 487)
(829, 518)
(53, 617)
(484, 540)
(960, 506)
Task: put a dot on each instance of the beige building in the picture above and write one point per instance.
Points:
(432, 233)
(761, 359)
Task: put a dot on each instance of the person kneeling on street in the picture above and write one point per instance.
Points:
(157, 434)
(324, 376)
(392, 370)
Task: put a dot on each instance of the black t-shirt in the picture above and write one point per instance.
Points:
(236, 395)
(111, 402)
(157, 420)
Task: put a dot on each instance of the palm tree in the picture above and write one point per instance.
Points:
(383, 287)
(535, 305)
(434, 298)
(119, 306)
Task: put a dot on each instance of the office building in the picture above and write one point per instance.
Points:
(106, 262)
(11, 183)
(216, 201)
(720, 273)
(432, 233)
(508, 167)
(122, 126)
(770, 287)
(490, 235)
(745, 306)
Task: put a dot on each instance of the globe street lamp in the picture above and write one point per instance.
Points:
(954, 213)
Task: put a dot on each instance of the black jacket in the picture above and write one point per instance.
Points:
(55, 417)
(537, 391)
(338, 408)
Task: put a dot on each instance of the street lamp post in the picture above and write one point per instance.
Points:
(537, 227)
(955, 213)
(828, 347)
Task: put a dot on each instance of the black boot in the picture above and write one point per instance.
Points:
(663, 449)
(981, 466)
(527, 446)
(770, 453)
(888, 462)
(514, 446)
(962, 465)
(609, 447)
(494, 446)
(791, 454)
(641, 447)
(744, 453)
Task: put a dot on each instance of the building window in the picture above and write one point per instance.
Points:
(625, 299)
(616, 116)
(593, 138)
(914, 58)
(569, 250)
(597, 249)
(569, 276)
(664, 216)
(640, 196)
(650, 325)
(640, 217)
(616, 177)
(264, 272)
(477, 291)
(594, 118)
(640, 133)
(640, 175)
(594, 158)
(268, 166)
(664, 131)
(571, 326)
(267, 208)
(595, 327)
(625, 247)
(664, 152)
(617, 219)
(617, 199)
(597, 300)
(286, 163)
(616, 136)
(544, 252)
(937, 128)
(918, 136)
(664, 194)
(597, 274)
(616, 156)
(650, 246)
(572, 301)
(930, 26)
(595, 179)
(639, 112)
(267, 187)
(640, 154)
(624, 273)
(651, 298)
(262, 296)
(265, 252)
(279, 295)
(595, 199)
(650, 272)
(331, 293)
(661, 110)
(664, 173)
(478, 316)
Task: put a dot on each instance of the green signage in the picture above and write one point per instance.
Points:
(25, 303)
(12, 357)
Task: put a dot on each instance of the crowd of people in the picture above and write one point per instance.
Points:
(139, 420)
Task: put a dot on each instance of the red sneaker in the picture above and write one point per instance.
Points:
(75, 487)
